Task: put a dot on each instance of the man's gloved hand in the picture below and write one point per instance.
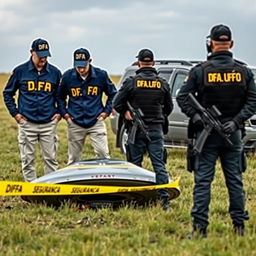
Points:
(229, 127)
(198, 122)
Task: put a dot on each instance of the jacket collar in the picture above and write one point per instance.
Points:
(220, 53)
(92, 73)
(31, 66)
(146, 69)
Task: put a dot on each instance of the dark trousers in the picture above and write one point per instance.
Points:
(231, 162)
(155, 149)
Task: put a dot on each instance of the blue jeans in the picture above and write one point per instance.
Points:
(231, 162)
(155, 149)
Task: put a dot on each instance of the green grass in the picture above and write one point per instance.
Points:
(28, 229)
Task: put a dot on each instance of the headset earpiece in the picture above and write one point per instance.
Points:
(208, 44)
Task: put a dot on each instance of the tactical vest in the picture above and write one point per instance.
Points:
(148, 95)
(224, 87)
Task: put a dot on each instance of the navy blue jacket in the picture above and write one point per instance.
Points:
(85, 96)
(37, 92)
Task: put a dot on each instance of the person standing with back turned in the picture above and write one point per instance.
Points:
(150, 93)
(229, 85)
(37, 114)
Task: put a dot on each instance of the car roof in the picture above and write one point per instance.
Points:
(166, 64)
(178, 63)
(173, 62)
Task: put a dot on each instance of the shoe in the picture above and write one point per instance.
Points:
(165, 204)
(239, 230)
(197, 233)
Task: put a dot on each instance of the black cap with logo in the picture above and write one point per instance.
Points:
(145, 55)
(220, 33)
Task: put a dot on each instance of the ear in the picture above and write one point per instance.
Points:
(231, 44)
(138, 63)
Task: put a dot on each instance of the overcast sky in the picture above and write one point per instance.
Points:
(115, 30)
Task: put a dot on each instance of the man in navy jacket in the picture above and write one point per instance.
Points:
(36, 112)
(85, 111)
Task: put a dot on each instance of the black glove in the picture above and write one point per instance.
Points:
(197, 122)
(229, 127)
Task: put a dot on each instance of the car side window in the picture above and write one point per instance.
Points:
(126, 75)
(165, 74)
(178, 82)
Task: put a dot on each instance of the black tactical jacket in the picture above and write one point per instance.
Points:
(243, 101)
(146, 91)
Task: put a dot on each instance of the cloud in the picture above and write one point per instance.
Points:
(114, 31)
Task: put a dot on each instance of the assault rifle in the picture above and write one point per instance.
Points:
(137, 123)
(211, 121)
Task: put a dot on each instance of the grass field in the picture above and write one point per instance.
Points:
(27, 229)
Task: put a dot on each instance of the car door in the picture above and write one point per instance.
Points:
(178, 121)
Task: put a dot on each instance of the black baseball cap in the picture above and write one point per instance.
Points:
(145, 55)
(41, 47)
(81, 57)
(220, 33)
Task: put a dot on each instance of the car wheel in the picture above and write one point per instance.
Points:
(123, 137)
